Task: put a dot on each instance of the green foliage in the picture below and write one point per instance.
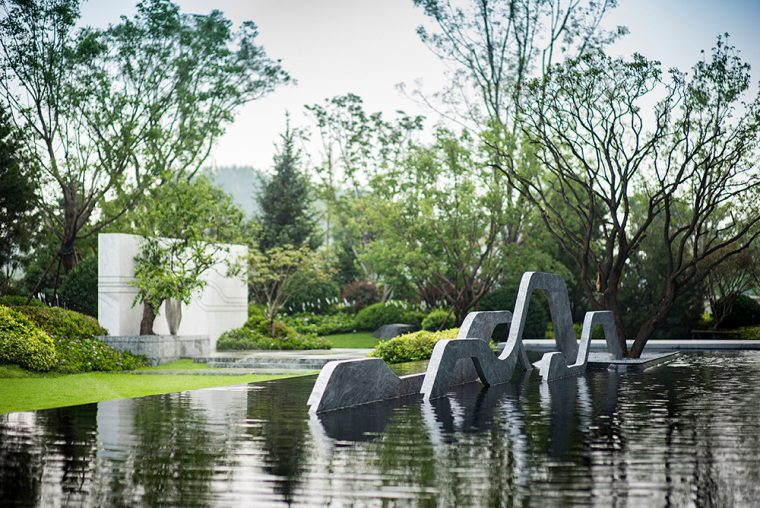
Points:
(435, 319)
(79, 290)
(24, 344)
(504, 299)
(411, 347)
(17, 189)
(18, 301)
(359, 295)
(245, 338)
(318, 297)
(307, 322)
(83, 354)
(373, 317)
(82, 93)
(285, 201)
(744, 312)
(63, 323)
(750, 333)
(706, 322)
(258, 323)
(275, 276)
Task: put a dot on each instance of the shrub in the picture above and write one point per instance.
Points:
(705, 322)
(316, 297)
(245, 338)
(87, 354)
(504, 299)
(373, 317)
(79, 290)
(19, 301)
(63, 323)
(413, 317)
(744, 312)
(23, 343)
(411, 347)
(359, 295)
(435, 319)
(306, 322)
(261, 325)
(750, 333)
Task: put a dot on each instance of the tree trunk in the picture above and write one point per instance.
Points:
(148, 317)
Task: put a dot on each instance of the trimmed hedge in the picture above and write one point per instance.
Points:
(71, 337)
(245, 338)
(306, 322)
(79, 290)
(83, 354)
(744, 312)
(504, 299)
(18, 301)
(435, 319)
(24, 344)
(386, 313)
(411, 347)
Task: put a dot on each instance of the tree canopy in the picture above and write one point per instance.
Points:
(110, 111)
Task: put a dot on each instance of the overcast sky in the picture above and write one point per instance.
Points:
(366, 47)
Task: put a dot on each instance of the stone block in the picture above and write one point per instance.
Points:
(386, 332)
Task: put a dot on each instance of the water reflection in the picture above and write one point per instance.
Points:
(683, 434)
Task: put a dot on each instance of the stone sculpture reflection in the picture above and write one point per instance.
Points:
(468, 357)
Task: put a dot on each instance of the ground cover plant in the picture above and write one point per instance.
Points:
(320, 324)
(411, 347)
(51, 338)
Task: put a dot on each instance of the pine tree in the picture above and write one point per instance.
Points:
(285, 203)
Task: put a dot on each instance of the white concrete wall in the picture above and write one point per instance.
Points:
(222, 306)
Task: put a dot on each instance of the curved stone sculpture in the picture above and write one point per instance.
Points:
(555, 365)
(345, 383)
(469, 356)
(492, 370)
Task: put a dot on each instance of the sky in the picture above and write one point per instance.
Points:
(367, 47)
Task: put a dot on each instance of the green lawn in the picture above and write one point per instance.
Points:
(24, 391)
(359, 340)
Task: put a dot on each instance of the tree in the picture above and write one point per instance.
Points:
(496, 46)
(354, 147)
(693, 167)
(436, 221)
(187, 228)
(278, 273)
(285, 203)
(109, 111)
(16, 197)
(731, 278)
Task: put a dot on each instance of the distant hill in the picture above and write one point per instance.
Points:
(242, 182)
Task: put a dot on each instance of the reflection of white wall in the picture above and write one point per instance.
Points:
(222, 306)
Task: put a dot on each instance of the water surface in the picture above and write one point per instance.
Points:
(682, 434)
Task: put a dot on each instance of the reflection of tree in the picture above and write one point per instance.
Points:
(20, 467)
(74, 430)
(174, 454)
(278, 415)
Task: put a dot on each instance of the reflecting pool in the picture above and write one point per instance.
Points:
(683, 434)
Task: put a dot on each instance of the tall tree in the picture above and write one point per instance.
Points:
(692, 158)
(354, 146)
(287, 217)
(17, 192)
(109, 111)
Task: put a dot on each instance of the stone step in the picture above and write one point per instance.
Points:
(271, 363)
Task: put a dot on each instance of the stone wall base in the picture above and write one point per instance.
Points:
(161, 349)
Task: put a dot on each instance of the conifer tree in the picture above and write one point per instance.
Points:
(285, 203)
